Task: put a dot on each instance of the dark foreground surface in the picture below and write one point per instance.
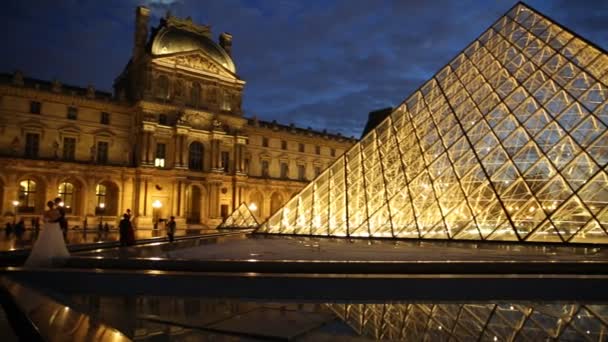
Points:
(228, 287)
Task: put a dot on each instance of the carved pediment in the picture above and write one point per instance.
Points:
(196, 60)
(195, 120)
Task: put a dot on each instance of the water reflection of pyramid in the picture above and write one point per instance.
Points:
(476, 322)
(240, 218)
(506, 142)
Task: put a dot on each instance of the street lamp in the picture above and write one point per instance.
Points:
(102, 207)
(15, 205)
(156, 205)
(253, 207)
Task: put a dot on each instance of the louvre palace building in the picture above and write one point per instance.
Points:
(172, 139)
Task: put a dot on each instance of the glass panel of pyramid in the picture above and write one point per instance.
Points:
(475, 321)
(241, 218)
(507, 142)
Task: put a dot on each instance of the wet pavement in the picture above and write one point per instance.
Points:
(11, 242)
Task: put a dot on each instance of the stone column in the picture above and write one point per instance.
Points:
(214, 199)
(144, 148)
(11, 193)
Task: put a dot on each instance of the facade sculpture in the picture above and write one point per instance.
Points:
(173, 134)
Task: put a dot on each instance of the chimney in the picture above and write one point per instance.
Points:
(226, 42)
(142, 15)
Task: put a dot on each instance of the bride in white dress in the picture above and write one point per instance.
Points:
(50, 243)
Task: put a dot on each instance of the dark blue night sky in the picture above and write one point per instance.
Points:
(318, 63)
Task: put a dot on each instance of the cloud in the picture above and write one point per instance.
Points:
(318, 63)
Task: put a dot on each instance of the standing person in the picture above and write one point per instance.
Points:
(50, 244)
(123, 230)
(63, 222)
(129, 214)
(20, 228)
(171, 226)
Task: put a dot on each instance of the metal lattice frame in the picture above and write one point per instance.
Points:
(477, 322)
(240, 218)
(507, 142)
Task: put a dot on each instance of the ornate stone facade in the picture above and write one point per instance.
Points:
(171, 140)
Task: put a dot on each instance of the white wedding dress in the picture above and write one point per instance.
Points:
(49, 247)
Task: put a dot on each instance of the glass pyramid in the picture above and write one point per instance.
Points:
(506, 142)
(241, 218)
(476, 322)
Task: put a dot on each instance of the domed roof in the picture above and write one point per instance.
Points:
(171, 40)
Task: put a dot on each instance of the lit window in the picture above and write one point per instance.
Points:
(159, 161)
(66, 193)
(100, 194)
(27, 196)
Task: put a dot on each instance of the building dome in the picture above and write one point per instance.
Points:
(170, 40)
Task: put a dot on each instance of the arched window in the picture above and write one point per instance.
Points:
(66, 193)
(100, 194)
(27, 196)
(195, 94)
(195, 156)
(162, 87)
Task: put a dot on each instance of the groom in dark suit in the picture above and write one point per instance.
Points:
(63, 222)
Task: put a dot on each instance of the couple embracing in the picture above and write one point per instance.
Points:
(50, 244)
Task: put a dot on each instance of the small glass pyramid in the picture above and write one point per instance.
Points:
(241, 218)
(506, 142)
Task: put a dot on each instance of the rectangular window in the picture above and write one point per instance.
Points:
(69, 148)
(301, 148)
(301, 172)
(317, 171)
(72, 113)
(35, 107)
(264, 142)
(32, 144)
(318, 149)
(104, 118)
(226, 161)
(333, 152)
(102, 152)
(246, 165)
(264, 168)
(159, 161)
(283, 144)
(162, 119)
(284, 170)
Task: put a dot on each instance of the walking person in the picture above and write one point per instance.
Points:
(171, 226)
(20, 228)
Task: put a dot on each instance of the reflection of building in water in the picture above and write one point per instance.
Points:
(476, 322)
(508, 142)
(171, 141)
